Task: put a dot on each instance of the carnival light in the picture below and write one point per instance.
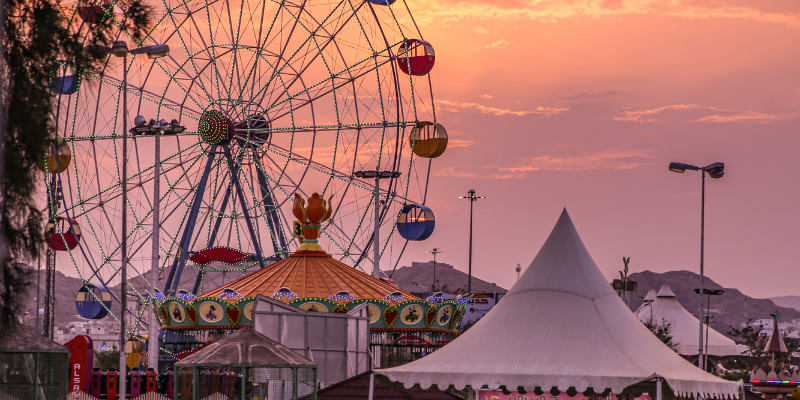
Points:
(230, 294)
(284, 294)
(341, 295)
(396, 297)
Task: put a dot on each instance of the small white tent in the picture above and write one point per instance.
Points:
(684, 327)
(561, 326)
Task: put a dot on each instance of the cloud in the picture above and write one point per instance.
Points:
(610, 159)
(552, 11)
(457, 106)
(592, 96)
(500, 44)
(696, 113)
(486, 96)
(456, 172)
(459, 143)
(746, 116)
(613, 159)
(480, 30)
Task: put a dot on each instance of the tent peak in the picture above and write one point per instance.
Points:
(666, 291)
(563, 264)
(651, 295)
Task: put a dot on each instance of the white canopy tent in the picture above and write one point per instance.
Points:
(684, 327)
(560, 327)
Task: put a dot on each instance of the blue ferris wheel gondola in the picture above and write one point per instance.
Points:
(87, 301)
(67, 81)
(416, 222)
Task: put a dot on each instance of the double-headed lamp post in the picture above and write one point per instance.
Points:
(120, 49)
(435, 251)
(715, 170)
(377, 175)
(472, 199)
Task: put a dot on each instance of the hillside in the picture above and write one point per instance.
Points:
(734, 307)
(787, 301)
(419, 277)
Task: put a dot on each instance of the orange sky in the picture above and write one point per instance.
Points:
(583, 104)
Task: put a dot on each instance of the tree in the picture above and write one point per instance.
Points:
(106, 359)
(756, 342)
(34, 34)
(663, 332)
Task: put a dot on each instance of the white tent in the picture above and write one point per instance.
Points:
(684, 327)
(561, 326)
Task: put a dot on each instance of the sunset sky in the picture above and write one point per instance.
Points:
(583, 104)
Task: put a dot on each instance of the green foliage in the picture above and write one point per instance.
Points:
(736, 375)
(663, 332)
(755, 342)
(106, 359)
(34, 35)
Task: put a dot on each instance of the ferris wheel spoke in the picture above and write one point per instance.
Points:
(116, 186)
(322, 91)
(296, 20)
(317, 51)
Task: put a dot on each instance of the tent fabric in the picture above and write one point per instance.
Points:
(560, 326)
(684, 327)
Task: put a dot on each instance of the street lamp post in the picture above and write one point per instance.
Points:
(378, 175)
(120, 49)
(472, 199)
(435, 251)
(715, 170)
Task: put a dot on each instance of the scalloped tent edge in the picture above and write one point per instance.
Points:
(561, 326)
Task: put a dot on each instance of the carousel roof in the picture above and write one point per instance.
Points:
(311, 275)
(560, 326)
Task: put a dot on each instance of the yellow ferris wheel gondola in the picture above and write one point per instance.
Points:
(57, 157)
(428, 139)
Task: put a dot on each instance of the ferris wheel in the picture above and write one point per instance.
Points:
(254, 101)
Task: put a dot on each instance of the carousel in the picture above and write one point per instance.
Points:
(402, 325)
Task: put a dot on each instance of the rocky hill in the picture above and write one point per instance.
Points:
(733, 307)
(419, 277)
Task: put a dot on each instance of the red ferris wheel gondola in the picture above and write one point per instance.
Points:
(62, 234)
(416, 57)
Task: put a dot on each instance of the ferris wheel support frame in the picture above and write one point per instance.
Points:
(171, 286)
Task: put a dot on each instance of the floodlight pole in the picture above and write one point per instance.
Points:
(435, 251)
(376, 248)
(472, 199)
(378, 175)
(124, 297)
(152, 346)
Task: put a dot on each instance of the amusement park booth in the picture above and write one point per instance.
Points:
(32, 367)
(247, 366)
(562, 329)
(337, 342)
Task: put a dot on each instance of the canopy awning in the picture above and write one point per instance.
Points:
(561, 326)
